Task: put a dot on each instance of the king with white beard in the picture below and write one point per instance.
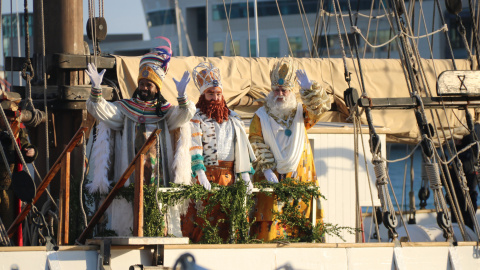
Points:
(279, 138)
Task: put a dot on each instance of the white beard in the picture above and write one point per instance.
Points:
(281, 109)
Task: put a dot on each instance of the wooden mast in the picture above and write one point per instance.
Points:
(63, 24)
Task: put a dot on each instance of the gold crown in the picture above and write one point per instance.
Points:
(283, 73)
(206, 75)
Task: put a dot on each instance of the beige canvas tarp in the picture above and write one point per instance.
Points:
(383, 78)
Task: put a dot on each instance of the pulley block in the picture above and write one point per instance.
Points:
(99, 28)
(423, 195)
(390, 220)
(453, 6)
(443, 220)
(351, 97)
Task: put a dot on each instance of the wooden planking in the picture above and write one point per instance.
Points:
(334, 170)
(334, 162)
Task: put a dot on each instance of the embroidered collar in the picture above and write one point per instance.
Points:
(148, 103)
(143, 111)
(286, 122)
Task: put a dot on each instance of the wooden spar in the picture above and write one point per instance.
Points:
(62, 235)
(101, 210)
(411, 102)
(46, 181)
(138, 201)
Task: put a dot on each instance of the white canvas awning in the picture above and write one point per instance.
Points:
(383, 78)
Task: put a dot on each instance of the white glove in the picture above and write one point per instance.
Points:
(182, 84)
(303, 80)
(248, 182)
(95, 77)
(202, 178)
(270, 176)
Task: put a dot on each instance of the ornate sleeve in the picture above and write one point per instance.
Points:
(181, 114)
(265, 159)
(315, 103)
(104, 111)
(196, 150)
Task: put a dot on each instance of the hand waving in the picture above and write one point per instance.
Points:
(95, 77)
(182, 84)
(303, 80)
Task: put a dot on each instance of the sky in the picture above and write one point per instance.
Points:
(123, 16)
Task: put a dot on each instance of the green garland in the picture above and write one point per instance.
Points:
(231, 200)
(300, 228)
(237, 205)
(153, 220)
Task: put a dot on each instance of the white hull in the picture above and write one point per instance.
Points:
(260, 256)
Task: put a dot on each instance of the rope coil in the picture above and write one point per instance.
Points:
(380, 171)
(433, 174)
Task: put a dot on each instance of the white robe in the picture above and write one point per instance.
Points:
(116, 117)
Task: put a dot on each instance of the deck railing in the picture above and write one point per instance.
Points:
(62, 164)
(136, 165)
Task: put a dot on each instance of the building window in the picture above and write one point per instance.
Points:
(296, 45)
(8, 21)
(273, 47)
(218, 49)
(380, 37)
(332, 43)
(236, 46)
(456, 39)
(269, 8)
(253, 47)
(161, 17)
(265, 8)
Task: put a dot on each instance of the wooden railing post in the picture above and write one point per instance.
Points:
(126, 174)
(138, 197)
(63, 226)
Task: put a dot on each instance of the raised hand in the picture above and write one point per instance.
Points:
(270, 176)
(303, 80)
(95, 77)
(202, 178)
(182, 84)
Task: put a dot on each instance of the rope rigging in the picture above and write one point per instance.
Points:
(227, 15)
(428, 148)
(415, 72)
(389, 216)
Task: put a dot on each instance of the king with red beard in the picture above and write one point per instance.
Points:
(221, 152)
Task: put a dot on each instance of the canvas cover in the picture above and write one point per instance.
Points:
(383, 78)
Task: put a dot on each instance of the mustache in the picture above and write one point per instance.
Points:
(215, 102)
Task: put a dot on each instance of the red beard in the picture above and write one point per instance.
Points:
(217, 110)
